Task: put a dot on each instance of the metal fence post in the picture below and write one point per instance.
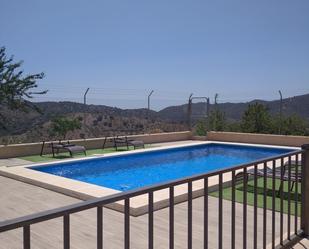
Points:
(305, 190)
(189, 112)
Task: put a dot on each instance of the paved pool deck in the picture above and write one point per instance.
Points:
(18, 199)
(13, 162)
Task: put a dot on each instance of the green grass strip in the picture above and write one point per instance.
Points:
(66, 155)
(227, 195)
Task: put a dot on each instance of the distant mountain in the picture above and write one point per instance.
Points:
(294, 105)
(100, 120)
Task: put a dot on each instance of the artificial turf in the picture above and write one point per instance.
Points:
(65, 155)
(227, 195)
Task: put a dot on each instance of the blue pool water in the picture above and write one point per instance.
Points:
(137, 170)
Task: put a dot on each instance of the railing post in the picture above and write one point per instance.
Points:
(305, 190)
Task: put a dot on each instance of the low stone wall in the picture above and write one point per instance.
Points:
(17, 150)
(257, 138)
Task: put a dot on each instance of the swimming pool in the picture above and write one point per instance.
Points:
(127, 172)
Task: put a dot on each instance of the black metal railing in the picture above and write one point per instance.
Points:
(289, 170)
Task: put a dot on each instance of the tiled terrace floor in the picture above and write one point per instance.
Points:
(17, 199)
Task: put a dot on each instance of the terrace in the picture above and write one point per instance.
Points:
(238, 215)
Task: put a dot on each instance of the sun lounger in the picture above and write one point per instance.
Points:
(121, 141)
(71, 148)
(284, 176)
(137, 144)
(124, 141)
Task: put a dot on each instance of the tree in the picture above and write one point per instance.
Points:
(217, 121)
(61, 126)
(15, 88)
(233, 126)
(293, 125)
(256, 119)
(200, 128)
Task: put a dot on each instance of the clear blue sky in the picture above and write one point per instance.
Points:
(241, 49)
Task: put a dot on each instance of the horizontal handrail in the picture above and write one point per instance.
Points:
(97, 202)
